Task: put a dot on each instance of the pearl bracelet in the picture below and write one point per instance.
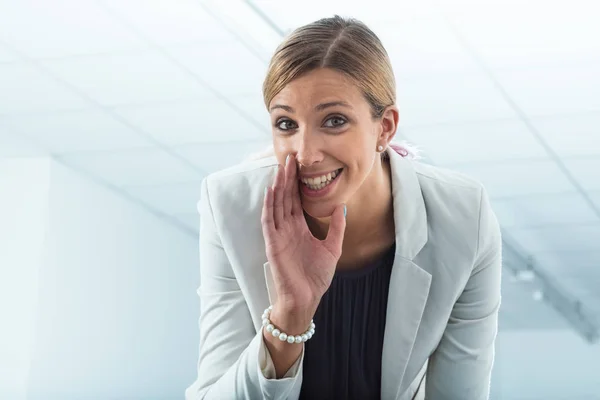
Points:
(284, 337)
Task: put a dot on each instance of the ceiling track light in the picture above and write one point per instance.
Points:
(525, 269)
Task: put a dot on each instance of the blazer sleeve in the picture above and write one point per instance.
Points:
(461, 366)
(234, 362)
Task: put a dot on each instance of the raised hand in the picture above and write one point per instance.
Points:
(302, 265)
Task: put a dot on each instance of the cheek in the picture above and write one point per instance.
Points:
(361, 165)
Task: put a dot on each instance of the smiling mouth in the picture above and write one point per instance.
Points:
(320, 182)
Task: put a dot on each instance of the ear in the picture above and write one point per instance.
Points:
(389, 124)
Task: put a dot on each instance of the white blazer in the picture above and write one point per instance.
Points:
(444, 294)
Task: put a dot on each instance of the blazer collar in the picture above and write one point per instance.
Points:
(409, 283)
(410, 217)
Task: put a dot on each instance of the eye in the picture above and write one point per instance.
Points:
(335, 122)
(285, 124)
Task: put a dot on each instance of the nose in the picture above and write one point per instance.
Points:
(308, 149)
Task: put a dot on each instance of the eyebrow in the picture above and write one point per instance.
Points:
(320, 107)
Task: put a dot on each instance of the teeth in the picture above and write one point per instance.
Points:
(320, 182)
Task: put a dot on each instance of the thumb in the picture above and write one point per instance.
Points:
(337, 227)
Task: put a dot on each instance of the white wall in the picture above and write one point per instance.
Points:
(24, 185)
(117, 310)
(545, 365)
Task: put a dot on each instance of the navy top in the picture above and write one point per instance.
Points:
(343, 359)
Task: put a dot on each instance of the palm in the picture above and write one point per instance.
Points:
(302, 265)
(309, 264)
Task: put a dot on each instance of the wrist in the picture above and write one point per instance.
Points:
(293, 321)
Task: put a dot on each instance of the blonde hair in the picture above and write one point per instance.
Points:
(342, 44)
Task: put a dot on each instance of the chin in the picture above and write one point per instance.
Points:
(319, 210)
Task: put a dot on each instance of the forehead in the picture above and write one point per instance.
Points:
(318, 86)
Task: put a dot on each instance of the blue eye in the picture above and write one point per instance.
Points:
(335, 122)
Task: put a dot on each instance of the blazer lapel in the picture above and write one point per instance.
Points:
(409, 283)
(409, 288)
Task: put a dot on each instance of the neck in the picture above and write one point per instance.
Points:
(370, 211)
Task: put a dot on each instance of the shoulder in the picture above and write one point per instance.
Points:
(239, 189)
(454, 204)
(449, 189)
(437, 177)
(241, 176)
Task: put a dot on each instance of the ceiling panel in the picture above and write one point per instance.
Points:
(596, 198)
(78, 131)
(7, 56)
(571, 135)
(138, 77)
(519, 177)
(177, 198)
(15, 145)
(423, 46)
(558, 238)
(25, 89)
(450, 98)
(289, 15)
(253, 107)
(548, 209)
(586, 171)
(475, 142)
(49, 29)
(166, 23)
(233, 69)
(554, 90)
(191, 220)
(134, 167)
(178, 123)
(571, 263)
(564, 32)
(215, 156)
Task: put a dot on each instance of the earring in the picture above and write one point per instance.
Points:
(380, 148)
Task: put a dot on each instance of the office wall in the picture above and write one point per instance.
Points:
(114, 312)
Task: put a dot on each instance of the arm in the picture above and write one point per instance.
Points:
(461, 366)
(233, 361)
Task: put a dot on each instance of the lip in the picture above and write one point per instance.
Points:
(320, 193)
(304, 176)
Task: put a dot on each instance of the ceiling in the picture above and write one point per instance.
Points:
(147, 98)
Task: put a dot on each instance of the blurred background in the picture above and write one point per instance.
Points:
(112, 112)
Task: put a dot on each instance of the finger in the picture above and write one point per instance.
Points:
(267, 221)
(289, 183)
(278, 187)
(337, 227)
(296, 202)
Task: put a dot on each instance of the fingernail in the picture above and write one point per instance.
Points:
(344, 211)
(287, 158)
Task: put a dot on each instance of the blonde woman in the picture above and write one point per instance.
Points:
(341, 268)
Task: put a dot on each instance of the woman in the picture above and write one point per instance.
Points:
(340, 268)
